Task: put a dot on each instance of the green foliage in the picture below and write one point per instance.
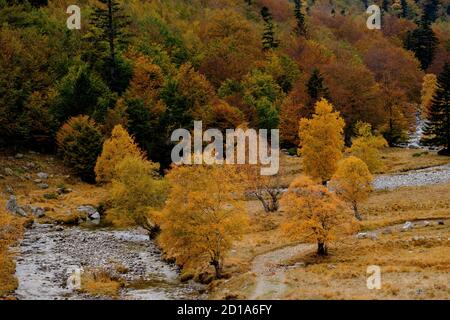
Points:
(437, 130)
(423, 42)
(80, 143)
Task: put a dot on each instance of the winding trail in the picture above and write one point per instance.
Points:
(270, 269)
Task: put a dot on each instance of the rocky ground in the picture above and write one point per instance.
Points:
(49, 254)
(423, 177)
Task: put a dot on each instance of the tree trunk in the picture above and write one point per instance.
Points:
(357, 214)
(322, 249)
(112, 53)
(217, 268)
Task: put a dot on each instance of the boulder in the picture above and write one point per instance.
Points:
(361, 235)
(42, 175)
(90, 211)
(38, 212)
(43, 186)
(8, 171)
(407, 226)
(14, 208)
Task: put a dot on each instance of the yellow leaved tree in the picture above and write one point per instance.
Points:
(119, 145)
(314, 214)
(321, 141)
(367, 146)
(203, 215)
(352, 182)
(137, 194)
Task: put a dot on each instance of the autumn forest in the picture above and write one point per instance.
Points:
(355, 94)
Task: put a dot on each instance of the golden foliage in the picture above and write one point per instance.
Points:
(136, 193)
(321, 141)
(428, 89)
(315, 214)
(352, 182)
(120, 144)
(368, 147)
(203, 215)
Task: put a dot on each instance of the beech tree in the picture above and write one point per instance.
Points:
(321, 141)
(315, 213)
(352, 182)
(203, 215)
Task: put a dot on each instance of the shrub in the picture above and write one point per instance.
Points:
(79, 142)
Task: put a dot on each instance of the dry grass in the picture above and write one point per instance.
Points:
(410, 269)
(401, 160)
(11, 229)
(100, 283)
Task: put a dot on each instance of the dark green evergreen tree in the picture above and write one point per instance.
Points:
(430, 10)
(437, 129)
(109, 26)
(316, 87)
(300, 28)
(423, 42)
(268, 38)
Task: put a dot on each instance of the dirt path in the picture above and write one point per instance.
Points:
(271, 272)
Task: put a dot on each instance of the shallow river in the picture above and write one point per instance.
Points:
(48, 255)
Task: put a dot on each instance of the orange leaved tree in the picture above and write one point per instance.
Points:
(315, 213)
(203, 215)
(352, 182)
(321, 141)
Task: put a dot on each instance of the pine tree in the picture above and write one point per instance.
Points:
(430, 10)
(438, 126)
(268, 38)
(405, 8)
(423, 42)
(316, 86)
(109, 23)
(300, 29)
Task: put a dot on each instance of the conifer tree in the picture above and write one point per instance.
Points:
(109, 23)
(316, 86)
(268, 38)
(437, 130)
(423, 42)
(300, 28)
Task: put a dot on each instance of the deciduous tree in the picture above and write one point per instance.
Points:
(137, 194)
(352, 182)
(115, 149)
(367, 146)
(321, 141)
(315, 213)
(203, 215)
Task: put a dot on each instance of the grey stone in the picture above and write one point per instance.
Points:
(37, 181)
(9, 189)
(407, 226)
(362, 235)
(19, 156)
(43, 186)
(8, 171)
(90, 211)
(38, 212)
(13, 207)
(42, 175)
